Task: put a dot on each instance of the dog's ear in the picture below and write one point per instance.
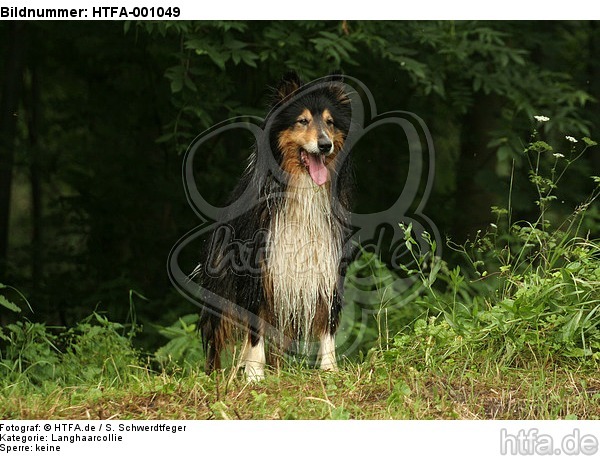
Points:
(290, 82)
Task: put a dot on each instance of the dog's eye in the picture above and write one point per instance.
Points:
(302, 121)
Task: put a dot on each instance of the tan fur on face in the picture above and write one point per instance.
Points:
(300, 136)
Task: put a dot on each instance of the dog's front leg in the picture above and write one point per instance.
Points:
(253, 359)
(327, 352)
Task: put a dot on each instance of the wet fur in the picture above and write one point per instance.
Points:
(295, 234)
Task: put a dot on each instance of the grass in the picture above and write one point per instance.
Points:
(514, 334)
(374, 389)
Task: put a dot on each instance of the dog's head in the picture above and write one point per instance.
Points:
(309, 125)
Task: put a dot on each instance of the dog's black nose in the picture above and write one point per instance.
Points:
(324, 145)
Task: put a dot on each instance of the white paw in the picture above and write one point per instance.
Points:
(253, 359)
(254, 373)
(329, 365)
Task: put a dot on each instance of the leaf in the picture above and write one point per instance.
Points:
(589, 141)
(190, 84)
(217, 58)
(234, 44)
(175, 74)
(249, 58)
(517, 57)
(9, 305)
(196, 45)
(498, 141)
(504, 153)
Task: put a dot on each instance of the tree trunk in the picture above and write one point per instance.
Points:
(474, 197)
(35, 176)
(9, 102)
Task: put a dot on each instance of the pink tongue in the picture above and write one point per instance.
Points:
(316, 168)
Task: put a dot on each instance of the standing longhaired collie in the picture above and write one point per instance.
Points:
(275, 267)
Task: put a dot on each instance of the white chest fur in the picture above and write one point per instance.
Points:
(303, 254)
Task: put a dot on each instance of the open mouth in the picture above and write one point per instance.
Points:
(315, 164)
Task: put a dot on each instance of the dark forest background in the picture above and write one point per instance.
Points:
(95, 118)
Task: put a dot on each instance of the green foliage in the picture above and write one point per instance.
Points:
(29, 354)
(184, 347)
(99, 351)
(376, 300)
(9, 304)
(96, 352)
(451, 60)
(543, 298)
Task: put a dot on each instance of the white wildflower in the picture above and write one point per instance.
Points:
(570, 138)
(559, 155)
(541, 118)
(493, 225)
